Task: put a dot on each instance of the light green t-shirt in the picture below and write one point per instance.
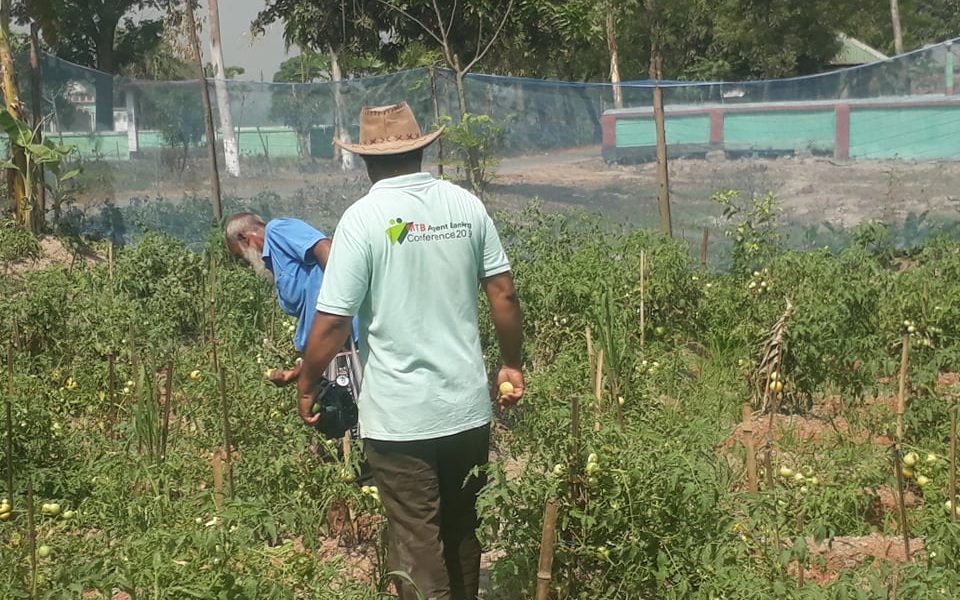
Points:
(408, 258)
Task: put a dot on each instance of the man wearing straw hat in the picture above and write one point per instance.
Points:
(408, 258)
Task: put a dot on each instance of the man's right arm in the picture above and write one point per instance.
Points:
(508, 322)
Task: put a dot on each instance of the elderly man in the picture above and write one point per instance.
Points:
(409, 258)
(292, 255)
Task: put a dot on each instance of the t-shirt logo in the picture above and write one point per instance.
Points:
(397, 231)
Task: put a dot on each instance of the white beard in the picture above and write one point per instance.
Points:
(255, 260)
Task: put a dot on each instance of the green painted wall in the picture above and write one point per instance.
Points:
(280, 143)
(913, 134)
(633, 133)
(780, 131)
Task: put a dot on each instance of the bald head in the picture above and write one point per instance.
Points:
(244, 233)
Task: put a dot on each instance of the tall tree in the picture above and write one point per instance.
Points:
(333, 27)
(897, 30)
(11, 97)
(91, 32)
(231, 152)
(464, 31)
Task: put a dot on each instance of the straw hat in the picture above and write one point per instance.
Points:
(386, 130)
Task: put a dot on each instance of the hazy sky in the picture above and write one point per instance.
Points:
(260, 56)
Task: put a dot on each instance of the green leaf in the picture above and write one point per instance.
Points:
(8, 164)
(69, 175)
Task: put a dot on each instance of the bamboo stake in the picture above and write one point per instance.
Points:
(901, 502)
(221, 377)
(703, 248)
(216, 462)
(8, 401)
(354, 526)
(643, 299)
(953, 462)
(110, 260)
(752, 484)
(436, 117)
(800, 564)
(111, 390)
(590, 356)
(548, 540)
(576, 479)
(598, 390)
(209, 130)
(902, 395)
(31, 539)
(168, 401)
(768, 462)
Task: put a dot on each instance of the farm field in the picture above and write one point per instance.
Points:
(821, 200)
(116, 402)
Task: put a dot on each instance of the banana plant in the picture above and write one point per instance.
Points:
(46, 155)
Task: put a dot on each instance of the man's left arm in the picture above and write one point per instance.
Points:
(345, 284)
(327, 336)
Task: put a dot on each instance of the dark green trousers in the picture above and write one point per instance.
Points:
(431, 511)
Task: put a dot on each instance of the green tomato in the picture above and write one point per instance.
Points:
(43, 551)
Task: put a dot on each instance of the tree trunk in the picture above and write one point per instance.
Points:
(341, 131)
(614, 56)
(897, 32)
(103, 120)
(231, 151)
(36, 109)
(11, 96)
(459, 78)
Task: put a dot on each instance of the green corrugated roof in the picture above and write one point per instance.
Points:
(854, 52)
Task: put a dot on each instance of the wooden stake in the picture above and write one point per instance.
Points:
(902, 395)
(110, 260)
(167, 407)
(703, 248)
(901, 501)
(354, 528)
(800, 565)
(953, 461)
(216, 461)
(573, 467)
(751, 462)
(210, 132)
(548, 540)
(663, 171)
(31, 539)
(768, 462)
(643, 299)
(590, 356)
(8, 401)
(598, 390)
(436, 118)
(221, 376)
(111, 391)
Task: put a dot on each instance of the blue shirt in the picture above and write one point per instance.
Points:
(288, 254)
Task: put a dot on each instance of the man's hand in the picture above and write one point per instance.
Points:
(280, 377)
(305, 405)
(284, 377)
(327, 335)
(513, 377)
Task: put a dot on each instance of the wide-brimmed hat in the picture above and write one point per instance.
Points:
(388, 130)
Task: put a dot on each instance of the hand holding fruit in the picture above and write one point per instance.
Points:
(510, 386)
(280, 377)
